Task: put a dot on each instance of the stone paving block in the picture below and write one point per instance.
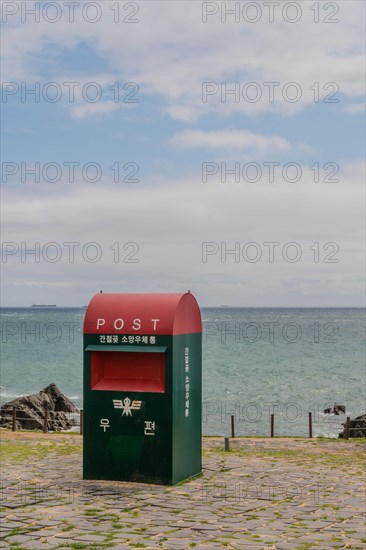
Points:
(275, 526)
(252, 524)
(353, 525)
(189, 534)
(356, 544)
(149, 546)
(78, 524)
(333, 529)
(231, 520)
(42, 533)
(48, 523)
(120, 538)
(138, 521)
(136, 537)
(182, 523)
(234, 529)
(286, 545)
(20, 539)
(316, 525)
(12, 524)
(89, 538)
(39, 545)
(178, 544)
(315, 538)
(156, 533)
(248, 545)
(68, 534)
(161, 525)
(4, 530)
(206, 527)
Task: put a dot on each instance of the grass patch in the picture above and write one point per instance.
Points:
(17, 451)
(14, 532)
(67, 528)
(82, 545)
(140, 530)
(77, 545)
(94, 512)
(344, 441)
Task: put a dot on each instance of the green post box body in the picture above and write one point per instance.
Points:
(142, 388)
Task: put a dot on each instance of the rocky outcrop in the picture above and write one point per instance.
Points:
(337, 409)
(30, 410)
(357, 427)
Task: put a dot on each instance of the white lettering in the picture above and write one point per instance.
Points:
(100, 323)
(118, 324)
(136, 324)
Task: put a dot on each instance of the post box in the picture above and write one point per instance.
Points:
(142, 388)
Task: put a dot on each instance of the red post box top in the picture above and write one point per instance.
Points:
(142, 314)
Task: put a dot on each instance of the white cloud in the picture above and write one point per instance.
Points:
(229, 139)
(356, 108)
(47, 284)
(170, 52)
(170, 221)
(103, 108)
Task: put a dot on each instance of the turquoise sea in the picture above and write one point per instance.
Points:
(288, 362)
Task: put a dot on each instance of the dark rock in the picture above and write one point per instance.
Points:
(337, 409)
(31, 410)
(357, 427)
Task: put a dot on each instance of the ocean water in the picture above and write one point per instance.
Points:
(256, 362)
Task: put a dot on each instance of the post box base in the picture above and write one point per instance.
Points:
(140, 478)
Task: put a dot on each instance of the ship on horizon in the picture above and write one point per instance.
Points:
(43, 305)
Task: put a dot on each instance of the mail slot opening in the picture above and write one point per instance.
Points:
(128, 371)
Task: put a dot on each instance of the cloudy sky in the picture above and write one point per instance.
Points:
(165, 146)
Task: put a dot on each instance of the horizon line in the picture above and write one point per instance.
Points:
(206, 306)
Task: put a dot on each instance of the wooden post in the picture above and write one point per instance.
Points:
(310, 425)
(346, 430)
(14, 418)
(45, 422)
(272, 425)
(232, 426)
(227, 444)
(81, 421)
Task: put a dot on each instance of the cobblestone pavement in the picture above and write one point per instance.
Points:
(276, 493)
